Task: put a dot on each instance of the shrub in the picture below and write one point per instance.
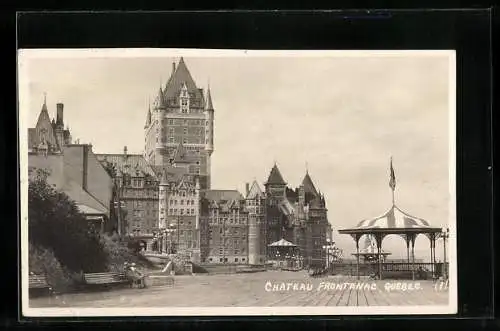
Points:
(55, 223)
(42, 261)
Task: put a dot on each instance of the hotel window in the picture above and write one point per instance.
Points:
(172, 131)
(192, 211)
(185, 130)
(170, 122)
(184, 141)
(187, 202)
(182, 202)
(187, 211)
(170, 140)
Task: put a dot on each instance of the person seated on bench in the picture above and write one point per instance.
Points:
(374, 276)
(135, 275)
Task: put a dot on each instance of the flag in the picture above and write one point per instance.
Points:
(392, 180)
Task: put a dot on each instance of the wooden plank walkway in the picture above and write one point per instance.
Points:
(263, 289)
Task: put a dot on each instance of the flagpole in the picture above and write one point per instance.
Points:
(392, 182)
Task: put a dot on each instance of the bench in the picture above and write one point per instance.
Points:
(160, 280)
(106, 279)
(38, 284)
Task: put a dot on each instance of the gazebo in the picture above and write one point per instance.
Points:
(283, 252)
(395, 221)
(369, 252)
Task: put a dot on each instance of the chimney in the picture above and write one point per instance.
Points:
(173, 68)
(125, 151)
(247, 188)
(60, 109)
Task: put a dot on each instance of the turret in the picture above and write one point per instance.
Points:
(163, 200)
(275, 185)
(209, 117)
(197, 199)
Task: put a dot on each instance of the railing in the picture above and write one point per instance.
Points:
(389, 269)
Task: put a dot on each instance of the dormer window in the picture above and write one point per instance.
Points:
(184, 99)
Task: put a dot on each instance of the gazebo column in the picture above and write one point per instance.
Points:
(434, 255)
(407, 239)
(378, 239)
(413, 256)
(432, 238)
(356, 238)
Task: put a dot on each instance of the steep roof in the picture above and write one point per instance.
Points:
(224, 199)
(130, 164)
(210, 106)
(309, 185)
(222, 195)
(254, 191)
(181, 155)
(275, 177)
(82, 198)
(179, 76)
(43, 128)
(287, 207)
(148, 118)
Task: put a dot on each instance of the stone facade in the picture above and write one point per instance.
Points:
(224, 222)
(135, 190)
(182, 118)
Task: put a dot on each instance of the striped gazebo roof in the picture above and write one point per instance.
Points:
(393, 221)
(282, 243)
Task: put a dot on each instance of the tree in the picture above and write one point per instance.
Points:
(55, 223)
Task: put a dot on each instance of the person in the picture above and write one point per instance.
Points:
(135, 275)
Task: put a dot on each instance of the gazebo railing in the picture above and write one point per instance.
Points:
(389, 269)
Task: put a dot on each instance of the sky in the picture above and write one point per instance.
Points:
(340, 116)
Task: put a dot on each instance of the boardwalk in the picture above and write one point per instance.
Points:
(243, 290)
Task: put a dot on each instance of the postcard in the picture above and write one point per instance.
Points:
(203, 182)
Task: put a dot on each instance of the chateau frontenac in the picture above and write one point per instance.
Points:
(164, 197)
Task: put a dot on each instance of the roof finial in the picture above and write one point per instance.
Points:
(307, 168)
(44, 98)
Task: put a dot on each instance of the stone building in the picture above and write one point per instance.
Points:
(255, 203)
(298, 216)
(224, 222)
(178, 213)
(73, 168)
(136, 191)
(181, 122)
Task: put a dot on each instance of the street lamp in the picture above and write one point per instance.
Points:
(168, 234)
(445, 233)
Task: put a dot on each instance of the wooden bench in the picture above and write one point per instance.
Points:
(38, 285)
(105, 279)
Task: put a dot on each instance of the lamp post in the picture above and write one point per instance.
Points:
(169, 231)
(327, 248)
(445, 233)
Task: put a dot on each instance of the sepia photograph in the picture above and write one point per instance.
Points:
(199, 182)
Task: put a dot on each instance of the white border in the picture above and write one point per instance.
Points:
(23, 80)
